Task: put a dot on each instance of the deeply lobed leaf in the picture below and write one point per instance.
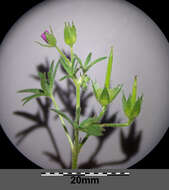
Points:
(91, 126)
(94, 130)
(88, 121)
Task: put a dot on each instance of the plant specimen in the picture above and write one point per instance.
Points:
(76, 70)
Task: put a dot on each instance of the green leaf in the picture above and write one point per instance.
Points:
(88, 58)
(55, 70)
(66, 66)
(73, 61)
(50, 75)
(104, 98)
(79, 61)
(43, 81)
(76, 70)
(114, 92)
(94, 62)
(75, 66)
(89, 121)
(31, 90)
(94, 130)
(65, 77)
(64, 116)
(28, 98)
(91, 126)
(109, 69)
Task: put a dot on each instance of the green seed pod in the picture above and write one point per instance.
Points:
(70, 34)
(104, 98)
(49, 38)
(132, 105)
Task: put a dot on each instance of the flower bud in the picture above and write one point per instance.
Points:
(49, 38)
(43, 36)
(70, 34)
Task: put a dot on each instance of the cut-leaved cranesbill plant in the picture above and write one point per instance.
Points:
(76, 70)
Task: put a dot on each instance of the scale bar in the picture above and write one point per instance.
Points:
(89, 174)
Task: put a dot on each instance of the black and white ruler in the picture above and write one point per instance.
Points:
(87, 174)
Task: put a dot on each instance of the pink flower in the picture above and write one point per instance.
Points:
(43, 36)
(49, 38)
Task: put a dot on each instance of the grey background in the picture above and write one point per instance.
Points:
(139, 47)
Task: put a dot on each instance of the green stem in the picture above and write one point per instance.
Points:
(114, 124)
(63, 55)
(71, 53)
(63, 123)
(76, 148)
(77, 99)
(102, 113)
(75, 151)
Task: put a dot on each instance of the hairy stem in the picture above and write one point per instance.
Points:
(75, 151)
(101, 114)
